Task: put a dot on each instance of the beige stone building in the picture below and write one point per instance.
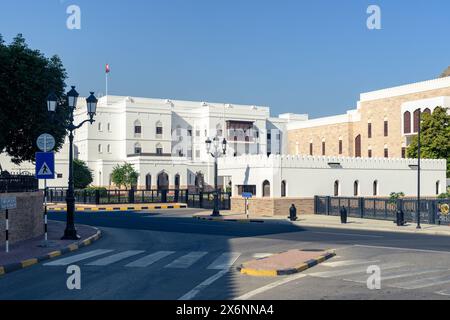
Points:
(381, 125)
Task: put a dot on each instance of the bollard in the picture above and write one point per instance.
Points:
(293, 213)
(343, 213)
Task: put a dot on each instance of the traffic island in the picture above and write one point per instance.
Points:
(285, 263)
(26, 253)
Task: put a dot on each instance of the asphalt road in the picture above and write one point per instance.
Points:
(170, 255)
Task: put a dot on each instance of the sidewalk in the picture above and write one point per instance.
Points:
(29, 252)
(334, 222)
(118, 207)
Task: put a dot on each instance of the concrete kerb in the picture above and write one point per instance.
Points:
(284, 272)
(70, 248)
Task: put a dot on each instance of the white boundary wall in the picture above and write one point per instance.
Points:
(308, 176)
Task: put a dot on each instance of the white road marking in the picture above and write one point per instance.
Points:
(347, 263)
(348, 234)
(404, 249)
(422, 283)
(115, 258)
(344, 272)
(445, 292)
(270, 286)
(187, 260)
(150, 259)
(78, 257)
(224, 261)
(194, 292)
(262, 255)
(395, 275)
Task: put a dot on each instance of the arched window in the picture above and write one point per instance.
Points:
(159, 128)
(109, 127)
(416, 120)
(266, 188)
(108, 148)
(358, 146)
(340, 146)
(100, 127)
(148, 181)
(137, 148)
(356, 188)
(323, 147)
(407, 122)
(283, 188)
(159, 149)
(375, 188)
(219, 131)
(137, 128)
(438, 187)
(199, 181)
(100, 149)
(427, 110)
(336, 188)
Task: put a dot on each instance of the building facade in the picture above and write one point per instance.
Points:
(381, 126)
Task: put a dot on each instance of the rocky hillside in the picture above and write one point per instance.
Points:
(446, 73)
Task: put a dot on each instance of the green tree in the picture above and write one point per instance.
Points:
(434, 137)
(26, 79)
(124, 175)
(82, 175)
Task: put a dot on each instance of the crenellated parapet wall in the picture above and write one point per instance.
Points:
(316, 162)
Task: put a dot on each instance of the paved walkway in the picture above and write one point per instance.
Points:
(32, 248)
(334, 222)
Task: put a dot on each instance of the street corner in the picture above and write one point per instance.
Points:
(23, 257)
(285, 263)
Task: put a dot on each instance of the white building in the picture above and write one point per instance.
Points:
(165, 139)
(280, 176)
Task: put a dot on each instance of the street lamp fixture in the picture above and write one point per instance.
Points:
(70, 232)
(219, 149)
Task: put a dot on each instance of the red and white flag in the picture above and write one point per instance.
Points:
(107, 69)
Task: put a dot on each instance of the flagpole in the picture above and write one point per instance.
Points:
(106, 87)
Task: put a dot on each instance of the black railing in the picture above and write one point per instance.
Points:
(384, 208)
(18, 183)
(197, 199)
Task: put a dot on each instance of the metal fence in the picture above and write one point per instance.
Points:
(197, 199)
(384, 208)
(18, 183)
(205, 200)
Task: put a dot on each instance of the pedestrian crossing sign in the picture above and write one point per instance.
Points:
(45, 165)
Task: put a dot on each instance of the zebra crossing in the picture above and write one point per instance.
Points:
(393, 274)
(143, 259)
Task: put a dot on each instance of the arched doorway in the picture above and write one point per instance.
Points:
(148, 182)
(163, 186)
(266, 188)
(199, 181)
(283, 188)
(336, 188)
(177, 187)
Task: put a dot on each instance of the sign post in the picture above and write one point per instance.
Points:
(7, 204)
(246, 196)
(45, 169)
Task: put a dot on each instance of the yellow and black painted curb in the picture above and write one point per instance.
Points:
(29, 262)
(220, 219)
(285, 272)
(130, 208)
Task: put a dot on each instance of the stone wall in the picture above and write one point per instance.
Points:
(26, 221)
(259, 207)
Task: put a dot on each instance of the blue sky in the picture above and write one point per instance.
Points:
(297, 56)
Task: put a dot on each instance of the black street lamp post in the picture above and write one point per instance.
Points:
(70, 232)
(216, 153)
(418, 171)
